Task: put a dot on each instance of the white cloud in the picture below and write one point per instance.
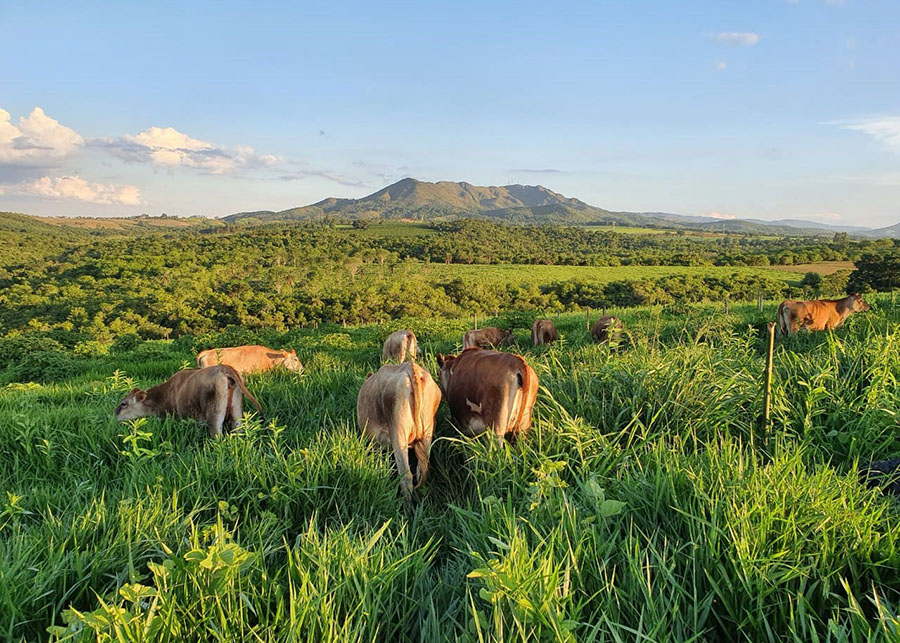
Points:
(825, 215)
(741, 39)
(885, 129)
(74, 187)
(36, 140)
(719, 215)
(169, 148)
(721, 66)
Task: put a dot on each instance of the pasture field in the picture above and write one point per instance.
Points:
(646, 504)
(543, 274)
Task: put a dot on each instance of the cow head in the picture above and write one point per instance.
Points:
(507, 337)
(291, 362)
(445, 363)
(858, 304)
(133, 406)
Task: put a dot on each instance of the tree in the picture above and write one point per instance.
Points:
(876, 272)
(812, 282)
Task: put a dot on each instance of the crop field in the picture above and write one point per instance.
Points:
(648, 502)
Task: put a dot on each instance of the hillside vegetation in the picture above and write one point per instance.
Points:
(167, 284)
(647, 502)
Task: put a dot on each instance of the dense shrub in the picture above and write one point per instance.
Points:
(45, 366)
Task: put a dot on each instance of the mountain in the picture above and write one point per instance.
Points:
(890, 232)
(535, 204)
(421, 200)
(818, 225)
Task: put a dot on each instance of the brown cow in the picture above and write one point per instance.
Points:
(817, 314)
(490, 336)
(247, 359)
(607, 329)
(543, 332)
(400, 346)
(213, 395)
(489, 390)
(395, 408)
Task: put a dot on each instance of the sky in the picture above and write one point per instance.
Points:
(732, 108)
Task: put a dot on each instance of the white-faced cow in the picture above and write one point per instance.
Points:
(817, 314)
(395, 408)
(213, 395)
(489, 390)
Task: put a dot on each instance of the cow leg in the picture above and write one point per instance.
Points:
(236, 407)
(421, 449)
(401, 455)
(215, 414)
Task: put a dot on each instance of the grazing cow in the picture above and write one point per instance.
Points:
(247, 359)
(214, 395)
(607, 329)
(489, 390)
(543, 332)
(485, 337)
(395, 408)
(817, 314)
(400, 346)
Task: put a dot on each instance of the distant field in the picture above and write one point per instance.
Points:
(531, 274)
(125, 224)
(627, 229)
(821, 267)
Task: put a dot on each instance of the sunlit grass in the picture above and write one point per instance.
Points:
(646, 504)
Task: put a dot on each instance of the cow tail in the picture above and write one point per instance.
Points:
(783, 323)
(529, 384)
(239, 381)
(417, 406)
(201, 357)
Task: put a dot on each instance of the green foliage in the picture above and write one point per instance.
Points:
(44, 366)
(645, 503)
(876, 272)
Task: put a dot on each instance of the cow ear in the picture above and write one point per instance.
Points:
(140, 396)
(441, 359)
(369, 374)
(134, 391)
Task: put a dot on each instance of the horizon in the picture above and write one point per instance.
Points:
(787, 109)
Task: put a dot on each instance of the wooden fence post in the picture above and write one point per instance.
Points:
(475, 318)
(759, 303)
(726, 306)
(767, 387)
(587, 318)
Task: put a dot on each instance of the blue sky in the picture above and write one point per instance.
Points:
(749, 108)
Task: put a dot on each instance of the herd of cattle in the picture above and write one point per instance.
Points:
(485, 389)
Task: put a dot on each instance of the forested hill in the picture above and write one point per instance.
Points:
(520, 204)
(421, 200)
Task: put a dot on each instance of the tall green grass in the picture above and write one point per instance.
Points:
(648, 503)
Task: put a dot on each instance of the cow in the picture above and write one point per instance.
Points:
(490, 336)
(400, 346)
(489, 390)
(817, 314)
(543, 332)
(395, 408)
(247, 359)
(607, 329)
(213, 395)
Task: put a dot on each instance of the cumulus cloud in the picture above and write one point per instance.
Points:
(167, 147)
(720, 215)
(739, 38)
(74, 187)
(721, 66)
(825, 215)
(885, 129)
(37, 139)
